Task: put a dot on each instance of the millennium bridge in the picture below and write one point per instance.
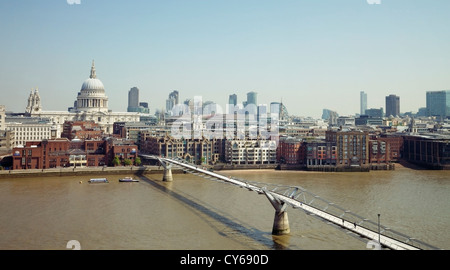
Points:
(281, 197)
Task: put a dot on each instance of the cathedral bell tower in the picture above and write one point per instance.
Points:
(34, 102)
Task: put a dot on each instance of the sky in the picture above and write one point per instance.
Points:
(309, 54)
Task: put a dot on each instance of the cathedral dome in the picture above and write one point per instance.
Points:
(92, 97)
(92, 84)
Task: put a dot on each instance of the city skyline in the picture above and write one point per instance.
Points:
(310, 55)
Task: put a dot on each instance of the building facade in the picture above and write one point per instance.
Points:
(239, 152)
(7, 141)
(83, 130)
(432, 151)
(385, 149)
(320, 153)
(352, 147)
(438, 103)
(289, 151)
(32, 129)
(198, 151)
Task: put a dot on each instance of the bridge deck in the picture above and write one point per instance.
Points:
(299, 198)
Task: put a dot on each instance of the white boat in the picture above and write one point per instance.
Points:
(98, 180)
(128, 179)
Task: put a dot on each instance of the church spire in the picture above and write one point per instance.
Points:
(93, 75)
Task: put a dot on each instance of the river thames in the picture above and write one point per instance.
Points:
(193, 213)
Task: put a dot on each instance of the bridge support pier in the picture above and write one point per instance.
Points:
(281, 221)
(167, 177)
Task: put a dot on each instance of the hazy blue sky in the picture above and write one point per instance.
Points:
(312, 54)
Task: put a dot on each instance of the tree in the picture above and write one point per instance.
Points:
(137, 161)
(127, 162)
(116, 161)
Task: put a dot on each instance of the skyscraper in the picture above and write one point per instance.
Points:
(252, 98)
(133, 102)
(175, 95)
(251, 104)
(392, 105)
(363, 103)
(133, 98)
(172, 100)
(438, 103)
(232, 100)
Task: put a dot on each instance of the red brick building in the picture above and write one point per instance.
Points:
(290, 151)
(122, 148)
(352, 147)
(60, 153)
(83, 130)
(385, 149)
(319, 153)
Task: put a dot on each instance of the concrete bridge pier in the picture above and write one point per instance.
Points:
(167, 176)
(281, 221)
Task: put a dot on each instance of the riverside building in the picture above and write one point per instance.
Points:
(63, 153)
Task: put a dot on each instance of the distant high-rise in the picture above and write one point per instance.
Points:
(438, 103)
(252, 98)
(133, 102)
(280, 109)
(133, 98)
(363, 103)
(172, 100)
(175, 95)
(232, 100)
(331, 116)
(392, 105)
(252, 103)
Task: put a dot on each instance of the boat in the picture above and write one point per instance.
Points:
(128, 179)
(98, 180)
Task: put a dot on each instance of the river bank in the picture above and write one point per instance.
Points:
(152, 169)
(134, 170)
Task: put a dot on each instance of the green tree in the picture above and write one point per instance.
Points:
(116, 161)
(127, 162)
(137, 161)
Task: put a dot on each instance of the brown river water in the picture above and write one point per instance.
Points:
(193, 213)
